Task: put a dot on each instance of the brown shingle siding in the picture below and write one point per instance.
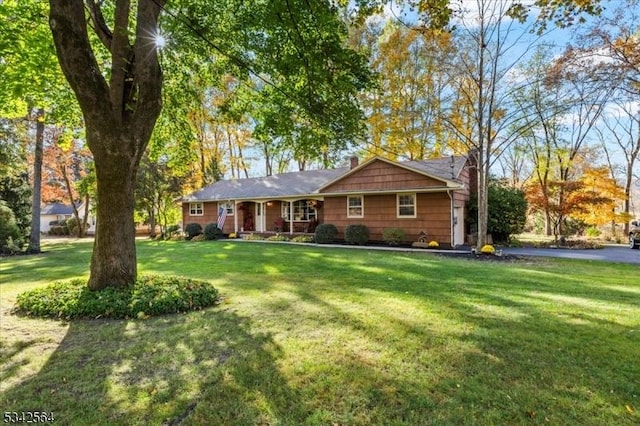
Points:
(433, 216)
(382, 176)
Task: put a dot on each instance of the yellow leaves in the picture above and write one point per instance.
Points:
(601, 194)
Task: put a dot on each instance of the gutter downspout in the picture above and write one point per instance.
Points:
(452, 220)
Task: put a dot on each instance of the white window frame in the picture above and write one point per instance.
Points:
(230, 206)
(349, 207)
(302, 211)
(413, 204)
(194, 210)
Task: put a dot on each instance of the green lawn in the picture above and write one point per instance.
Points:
(322, 336)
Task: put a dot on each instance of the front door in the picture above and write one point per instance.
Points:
(259, 219)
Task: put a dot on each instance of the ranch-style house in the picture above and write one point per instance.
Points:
(421, 197)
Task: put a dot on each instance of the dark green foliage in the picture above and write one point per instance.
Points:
(59, 227)
(394, 236)
(326, 233)
(507, 211)
(10, 238)
(356, 234)
(212, 232)
(72, 226)
(192, 229)
(150, 295)
(15, 190)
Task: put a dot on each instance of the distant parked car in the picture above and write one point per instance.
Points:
(634, 235)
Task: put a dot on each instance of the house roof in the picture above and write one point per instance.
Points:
(276, 186)
(448, 168)
(56, 209)
(309, 182)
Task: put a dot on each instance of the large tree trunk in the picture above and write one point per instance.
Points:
(119, 116)
(34, 238)
(113, 262)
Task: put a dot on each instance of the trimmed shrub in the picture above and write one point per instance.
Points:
(150, 295)
(212, 232)
(356, 234)
(253, 237)
(326, 233)
(278, 237)
(393, 236)
(192, 229)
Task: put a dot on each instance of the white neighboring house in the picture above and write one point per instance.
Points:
(58, 211)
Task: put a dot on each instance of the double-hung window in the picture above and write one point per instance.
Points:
(196, 209)
(406, 205)
(230, 207)
(355, 206)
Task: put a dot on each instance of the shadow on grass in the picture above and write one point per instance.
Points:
(516, 349)
(206, 367)
(394, 339)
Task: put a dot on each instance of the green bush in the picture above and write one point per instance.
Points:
(592, 232)
(326, 233)
(507, 213)
(73, 226)
(150, 295)
(356, 234)
(65, 228)
(212, 232)
(253, 237)
(192, 229)
(394, 236)
(278, 237)
(10, 241)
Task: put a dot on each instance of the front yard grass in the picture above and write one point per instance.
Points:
(324, 336)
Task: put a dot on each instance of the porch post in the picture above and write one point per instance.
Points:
(290, 217)
(263, 217)
(235, 217)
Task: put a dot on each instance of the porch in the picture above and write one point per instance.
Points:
(270, 217)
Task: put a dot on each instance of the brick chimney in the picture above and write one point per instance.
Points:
(354, 162)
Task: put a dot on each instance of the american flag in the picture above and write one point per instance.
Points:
(222, 216)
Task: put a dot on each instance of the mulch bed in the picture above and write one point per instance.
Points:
(487, 258)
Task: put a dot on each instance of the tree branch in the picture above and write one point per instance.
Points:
(99, 24)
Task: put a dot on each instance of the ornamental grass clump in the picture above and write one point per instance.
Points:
(149, 296)
(433, 244)
(278, 237)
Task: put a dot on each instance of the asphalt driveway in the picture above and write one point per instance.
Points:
(610, 253)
